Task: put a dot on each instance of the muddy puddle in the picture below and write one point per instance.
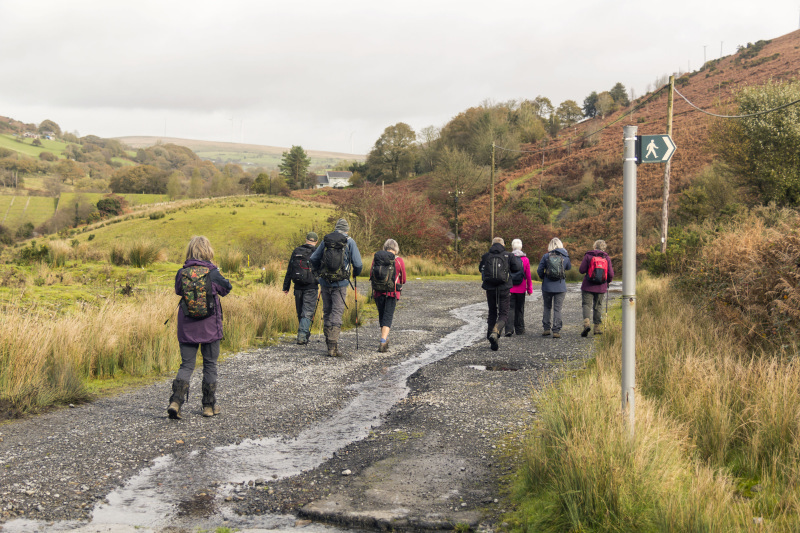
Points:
(190, 492)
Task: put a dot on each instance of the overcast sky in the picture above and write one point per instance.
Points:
(331, 75)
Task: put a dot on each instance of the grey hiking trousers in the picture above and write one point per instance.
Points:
(333, 299)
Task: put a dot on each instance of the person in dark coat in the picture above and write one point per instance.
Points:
(498, 293)
(553, 290)
(593, 294)
(300, 272)
(204, 333)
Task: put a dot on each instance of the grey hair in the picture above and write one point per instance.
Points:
(499, 240)
(391, 244)
(600, 244)
(554, 243)
(516, 244)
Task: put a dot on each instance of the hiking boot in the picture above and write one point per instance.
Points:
(546, 333)
(509, 334)
(587, 327)
(493, 336)
(333, 349)
(302, 338)
(210, 400)
(556, 335)
(180, 392)
(383, 347)
(520, 332)
(598, 329)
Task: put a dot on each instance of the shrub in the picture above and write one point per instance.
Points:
(155, 215)
(117, 254)
(33, 253)
(57, 253)
(230, 260)
(749, 276)
(272, 273)
(142, 253)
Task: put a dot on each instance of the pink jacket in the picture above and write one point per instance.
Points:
(527, 284)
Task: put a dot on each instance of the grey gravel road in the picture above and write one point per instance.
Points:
(411, 439)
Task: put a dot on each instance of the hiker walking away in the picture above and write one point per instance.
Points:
(552, 270)
(496, 267)
(387, 275)
(335, 260)
(599, 272)
(199, 284)
(521, 284)
(302, 275)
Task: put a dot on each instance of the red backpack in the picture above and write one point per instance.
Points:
(598, 270)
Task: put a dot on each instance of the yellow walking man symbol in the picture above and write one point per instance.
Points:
(651, 147)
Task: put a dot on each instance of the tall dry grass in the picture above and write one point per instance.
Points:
(713, 420)
(583, 473)
(46, 360)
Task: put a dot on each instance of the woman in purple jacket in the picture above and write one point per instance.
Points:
(199, 324)
(594, 286)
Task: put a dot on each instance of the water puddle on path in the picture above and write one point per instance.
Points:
(149, 499)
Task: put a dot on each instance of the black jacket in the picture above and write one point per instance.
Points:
(287, 280)
(514, 265)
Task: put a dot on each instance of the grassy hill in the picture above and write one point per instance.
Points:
(243, 154)
(587, 174)
(265, 228)
(24, 146)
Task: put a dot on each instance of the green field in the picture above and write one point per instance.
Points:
(24, 146)
(68, 199)
(261, 159)
(17, 210)
(262, 227)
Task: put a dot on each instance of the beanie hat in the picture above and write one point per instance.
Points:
(342, 225)
(311, 236)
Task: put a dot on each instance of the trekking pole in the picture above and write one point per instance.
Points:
(355, 279)
(314, 314)
(171, 314)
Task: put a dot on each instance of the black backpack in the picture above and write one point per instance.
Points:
(495, 270)
(554, 268)
(518, 277)
(335, 265)
(300, 271)
(384, 272)
(197, 297)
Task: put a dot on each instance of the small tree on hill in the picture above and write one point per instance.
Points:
(294, 167)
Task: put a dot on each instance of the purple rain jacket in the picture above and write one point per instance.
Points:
(202, 330)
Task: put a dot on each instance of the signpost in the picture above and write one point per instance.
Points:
(636, 149)
(654, 148)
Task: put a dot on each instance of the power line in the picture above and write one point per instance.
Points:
(736, 116)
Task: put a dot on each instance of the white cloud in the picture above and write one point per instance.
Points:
(331, 75)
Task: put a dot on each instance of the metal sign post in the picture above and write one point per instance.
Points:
(629, 273)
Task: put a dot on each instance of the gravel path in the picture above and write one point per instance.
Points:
(303, 437)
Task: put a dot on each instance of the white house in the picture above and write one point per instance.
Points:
(337, 179)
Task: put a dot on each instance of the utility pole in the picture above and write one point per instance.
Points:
(491, 202)
(665, 204)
